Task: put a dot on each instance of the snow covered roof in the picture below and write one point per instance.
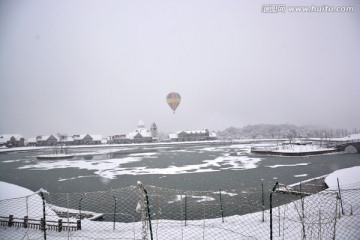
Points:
(93, 136)
(173, 136)
(32, 140)
(79, 136)
(142, 131)
(213, 134)
(68, 139)
(96, 137)
(45, 138)
(194, 131)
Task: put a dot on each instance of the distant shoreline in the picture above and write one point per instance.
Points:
(294, 154)
(132, 145)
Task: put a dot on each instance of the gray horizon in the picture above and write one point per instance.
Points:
(98, 67)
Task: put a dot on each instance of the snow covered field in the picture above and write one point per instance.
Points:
(320, 219)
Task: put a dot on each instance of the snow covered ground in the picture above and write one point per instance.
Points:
(352, 137)
(292, 149)
(349, 178)
(301, 148)
(320, 218)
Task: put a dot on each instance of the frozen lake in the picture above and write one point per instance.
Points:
(230, 168)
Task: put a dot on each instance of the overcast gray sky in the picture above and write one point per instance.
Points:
(99, 66)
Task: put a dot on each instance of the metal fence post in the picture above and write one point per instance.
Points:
(80, 210)
(185, 209)
(262, 200)
(302, 201)
(148, 212)
(44, 215)
(271, 226)
(221, 207)
(114, 213)
(342, 209)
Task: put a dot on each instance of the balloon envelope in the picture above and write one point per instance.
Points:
(173, 100)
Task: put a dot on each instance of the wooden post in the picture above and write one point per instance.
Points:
(78, 224)
(11, 220)
(26, 221)
(42, 224)
(60, 225)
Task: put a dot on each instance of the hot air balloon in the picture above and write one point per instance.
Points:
(173, 100)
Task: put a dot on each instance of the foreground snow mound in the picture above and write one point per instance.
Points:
(349, 178)
(8, 190)
(20, 202)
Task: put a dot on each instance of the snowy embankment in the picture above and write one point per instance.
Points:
(233, 227)
(301, 149)
(349, 178)
(21, 149)
(292, 150)
(352, 137)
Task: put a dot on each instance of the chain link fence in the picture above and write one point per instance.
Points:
(150, 212)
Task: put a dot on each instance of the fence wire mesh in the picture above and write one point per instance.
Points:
(150, 212)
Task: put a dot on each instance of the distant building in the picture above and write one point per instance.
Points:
(67, 140)
(194, 135)
(119, 139)
(140, 135)
(31, 142)
(12, 140)
(48, 140)
(212, 136)
(172, 137)
(87, 139)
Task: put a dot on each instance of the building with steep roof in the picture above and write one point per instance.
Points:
(87, 139)
(141, 134)
(48, 140)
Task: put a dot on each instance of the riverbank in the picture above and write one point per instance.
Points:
(133, 145)
(292, 150)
